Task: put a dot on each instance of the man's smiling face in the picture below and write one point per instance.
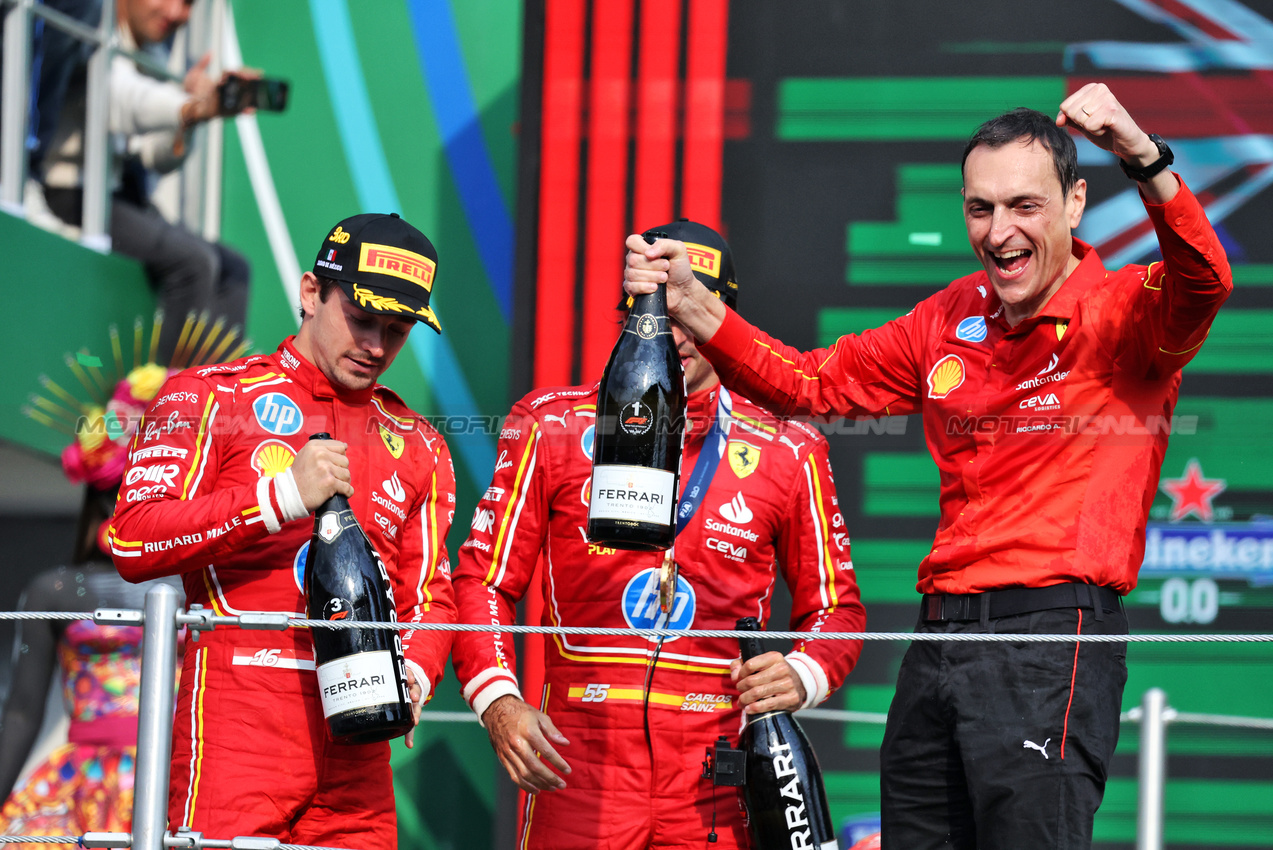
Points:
(1020, 223)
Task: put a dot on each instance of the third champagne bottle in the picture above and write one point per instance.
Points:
(786, 801)
(362, 676)
(636, 456)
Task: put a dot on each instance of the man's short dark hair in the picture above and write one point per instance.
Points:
(325, 287)
(1030, 125)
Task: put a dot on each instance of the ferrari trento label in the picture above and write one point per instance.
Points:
(648, 326)
(357, 681)
(632, 493)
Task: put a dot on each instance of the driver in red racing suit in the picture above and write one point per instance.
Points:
(219, 488)
(770, 508)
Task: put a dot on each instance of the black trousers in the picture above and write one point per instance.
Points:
(1002, 746)
(188, 273)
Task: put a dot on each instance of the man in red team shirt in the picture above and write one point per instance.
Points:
(1027, 375)
(625, 721)
(220, 485)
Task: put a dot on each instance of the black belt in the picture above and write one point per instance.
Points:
(939, 607)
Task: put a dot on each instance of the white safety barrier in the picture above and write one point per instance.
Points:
(162, 620)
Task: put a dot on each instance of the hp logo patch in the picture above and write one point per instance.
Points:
(972, 329)
(641, 604)
(298, 566)
(278, 414)
(586, 441)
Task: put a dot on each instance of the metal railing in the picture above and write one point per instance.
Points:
(199, 208)
(162, 619)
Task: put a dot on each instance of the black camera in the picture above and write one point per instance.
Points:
(239, 93)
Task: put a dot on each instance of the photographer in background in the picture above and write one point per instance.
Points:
(149, 121)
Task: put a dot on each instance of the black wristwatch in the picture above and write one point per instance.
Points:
(1144, 175)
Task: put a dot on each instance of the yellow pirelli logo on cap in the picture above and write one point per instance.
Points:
(704, 259)
(384, 259)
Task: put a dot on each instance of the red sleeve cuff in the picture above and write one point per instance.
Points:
(1183, 213)
(728, 346)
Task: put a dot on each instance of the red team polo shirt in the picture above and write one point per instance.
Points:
(1049, 436)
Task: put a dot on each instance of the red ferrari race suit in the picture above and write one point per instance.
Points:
(770, 507)
(208, 494)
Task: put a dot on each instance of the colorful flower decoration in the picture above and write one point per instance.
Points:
(102, 427)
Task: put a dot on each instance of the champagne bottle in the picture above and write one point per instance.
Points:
(786, 802)
(636, 456)
(362, 677)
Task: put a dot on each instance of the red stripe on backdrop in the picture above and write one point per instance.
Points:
(1190, 105)
(1194, 17)
(704, 111)
(658, 88)
(605, 224)
(559, 190)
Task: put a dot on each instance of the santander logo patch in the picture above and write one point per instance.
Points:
(736, 510)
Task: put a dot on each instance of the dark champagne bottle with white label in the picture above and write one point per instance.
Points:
(786, 801)
(636, 458)
(362, 674)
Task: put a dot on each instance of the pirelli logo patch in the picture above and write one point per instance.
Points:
(704, 259)
(409, 266)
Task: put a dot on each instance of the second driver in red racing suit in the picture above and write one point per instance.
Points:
(769, 510)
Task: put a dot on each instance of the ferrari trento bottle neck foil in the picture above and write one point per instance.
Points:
(636, 458)
(362, 674)
(786, 801)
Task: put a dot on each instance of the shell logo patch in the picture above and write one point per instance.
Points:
(946, 375)
(744, 458)
(272, 457)
(392, 441)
